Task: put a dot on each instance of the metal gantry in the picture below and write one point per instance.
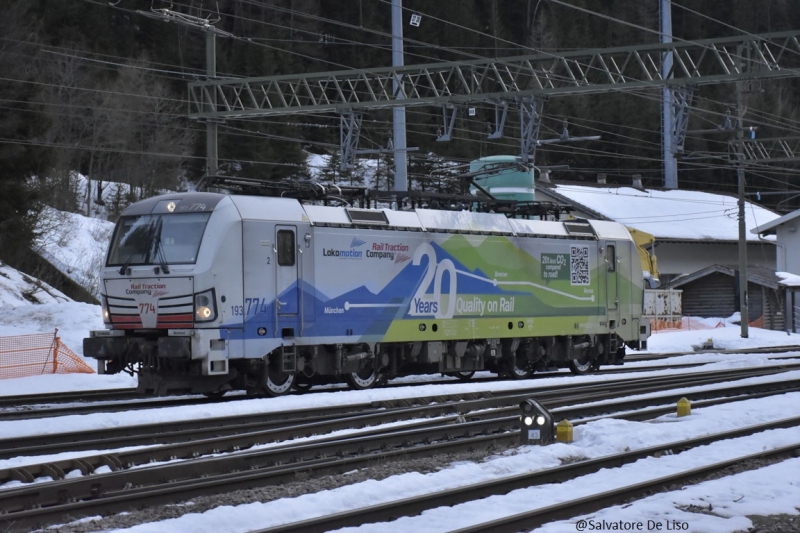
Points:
(695, 63)
(530, 117)
(522, 81)
(777, 150)
(681, 98)
(349, 131)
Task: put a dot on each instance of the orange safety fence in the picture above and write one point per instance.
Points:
(37, 354)
(668, 325)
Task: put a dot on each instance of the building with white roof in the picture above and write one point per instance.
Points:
(787, 261)
(696, 243)
(693, 229)
(784, 231)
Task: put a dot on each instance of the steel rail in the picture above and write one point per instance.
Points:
(595, 502)
(26, 400)
(29, 406)
(39, 406)
(49, 497)
(293, 421)
(497, 420)
(99, 407)
(101, 395)
(416, 505)
(769, 349)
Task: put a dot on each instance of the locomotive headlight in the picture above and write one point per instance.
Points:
(205, 307)
(104, 306)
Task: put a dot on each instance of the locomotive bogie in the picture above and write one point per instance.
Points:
(275, 294)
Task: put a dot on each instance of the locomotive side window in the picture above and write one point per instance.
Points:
(611, 257)
(285, 247)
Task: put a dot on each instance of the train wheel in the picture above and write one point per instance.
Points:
(517, 372)
(302, 383)
(278, 385)
(581, 366)
(366, 378)
(464, 375)
(215, 395)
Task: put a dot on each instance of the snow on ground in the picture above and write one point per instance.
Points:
(75, 245)
(768, 490)
(20, 290)
(765, 491)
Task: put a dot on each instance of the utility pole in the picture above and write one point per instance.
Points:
(399, 113)
(743, 314)
(667, 107)
(212, 159)
(210, 98)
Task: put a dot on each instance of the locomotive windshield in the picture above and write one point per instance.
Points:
(157, 239)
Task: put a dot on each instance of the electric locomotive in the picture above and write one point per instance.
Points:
(208, 292)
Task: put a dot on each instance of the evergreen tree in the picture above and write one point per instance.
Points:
(22, 125)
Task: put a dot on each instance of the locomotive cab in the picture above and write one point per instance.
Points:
(161, 300)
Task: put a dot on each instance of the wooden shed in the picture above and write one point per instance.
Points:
(714, 292)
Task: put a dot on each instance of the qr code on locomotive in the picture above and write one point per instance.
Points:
(579, 265)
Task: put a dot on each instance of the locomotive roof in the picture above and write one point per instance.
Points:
(291, 210)
(200, 202)
(463, 222)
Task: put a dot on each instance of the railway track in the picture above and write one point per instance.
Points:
(666, 355)
(28, 400)
(488, 423)
(315, 418)
(21, 407)
(538, 517)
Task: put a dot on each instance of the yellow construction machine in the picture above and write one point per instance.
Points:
(644, 240)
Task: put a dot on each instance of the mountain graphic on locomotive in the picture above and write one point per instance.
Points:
(206, 292)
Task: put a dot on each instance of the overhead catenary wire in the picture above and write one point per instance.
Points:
(577, 149)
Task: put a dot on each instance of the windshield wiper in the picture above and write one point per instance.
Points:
(144, 249)
(126, 264)
(159, 248)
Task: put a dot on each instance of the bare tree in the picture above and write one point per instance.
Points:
(125, 128)
(162, 136)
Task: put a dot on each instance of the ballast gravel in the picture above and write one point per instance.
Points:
(305, 484)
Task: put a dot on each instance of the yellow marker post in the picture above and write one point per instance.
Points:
(684, 407)
(564, 431)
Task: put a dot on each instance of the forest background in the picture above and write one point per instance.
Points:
(99, 88)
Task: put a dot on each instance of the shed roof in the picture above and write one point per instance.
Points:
(758, 275)
(771, 227)
(667, 214)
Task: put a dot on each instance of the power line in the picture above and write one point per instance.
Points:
(444, 48)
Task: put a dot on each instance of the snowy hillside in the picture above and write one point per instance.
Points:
(17, 289)
(76, 245)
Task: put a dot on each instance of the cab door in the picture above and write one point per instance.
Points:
(288, 291)
(612, 284)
